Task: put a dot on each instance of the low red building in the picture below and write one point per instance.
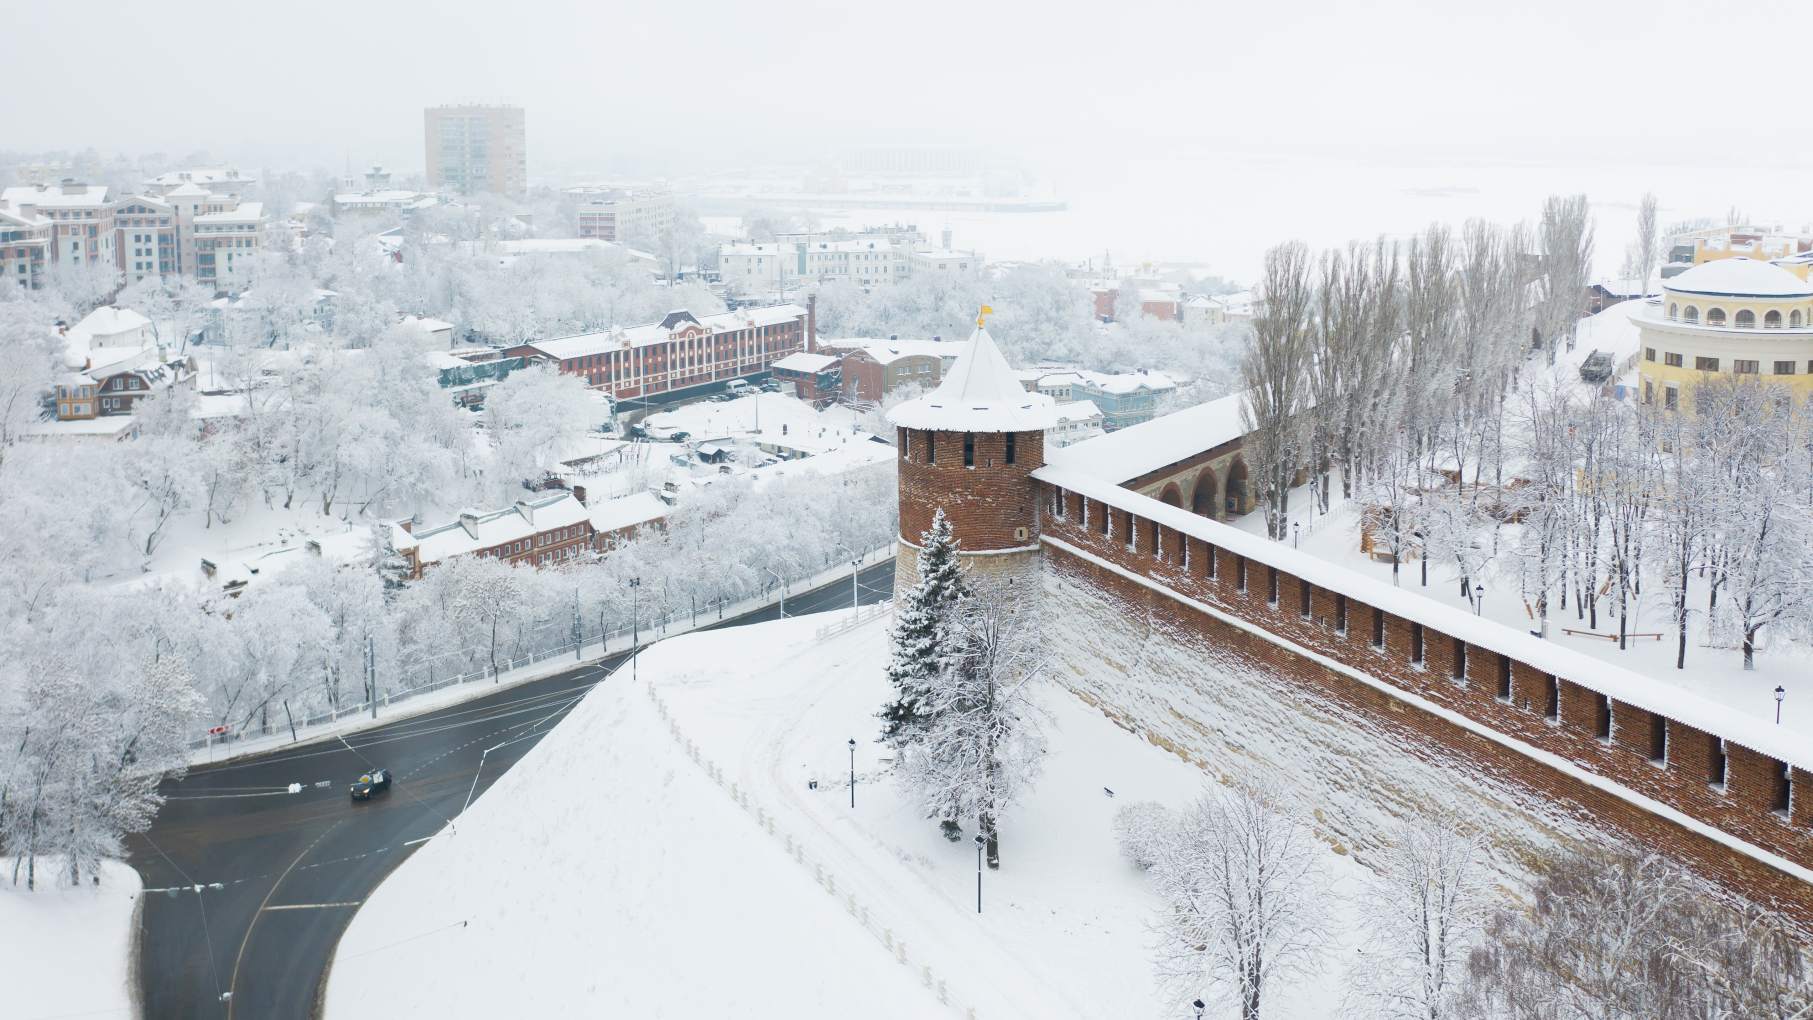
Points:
(814, 377)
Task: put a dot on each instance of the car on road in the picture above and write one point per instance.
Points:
(375, 781)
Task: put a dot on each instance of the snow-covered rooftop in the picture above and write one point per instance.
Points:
(1148, 446)
(494, 527)
(1738, 277)
(803, 362)
(245, 212)
(582, 344)
(980, 393)
(1078, 410)
(56, 196)
(107, 321)
(610, 515)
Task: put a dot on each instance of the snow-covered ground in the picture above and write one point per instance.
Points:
(63, 952)
(610, 870)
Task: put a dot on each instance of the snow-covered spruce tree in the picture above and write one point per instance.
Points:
(1246, 901)
(922, 635)
(982, 747)
(1423, 913)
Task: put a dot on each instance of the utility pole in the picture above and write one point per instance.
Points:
(371, 674)
(578, 647)
(635, 623)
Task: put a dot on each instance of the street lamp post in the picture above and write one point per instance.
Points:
(981, 841)
(635, 623)
(1779, 695)
(1296, 530)
(783, 584)
(852, 771)
(1479, 599)
(1199, 1008)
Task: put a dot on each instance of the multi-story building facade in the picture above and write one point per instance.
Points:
(146, 235)
(477, 149)
(25, 242)
(229, 230)
(80, 215)
(681, 355)
(872, 370)
(617, 215)
(866, 261)
(1726, 316)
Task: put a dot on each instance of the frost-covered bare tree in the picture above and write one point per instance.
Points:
(1246, 901)
(1566, 237)
(1593, 946)
(1275, 375)
(1421, 915)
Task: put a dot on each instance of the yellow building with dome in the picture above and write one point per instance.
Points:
(1731, 315)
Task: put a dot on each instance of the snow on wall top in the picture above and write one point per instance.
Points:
(979, 394)
(1593, 674)
(1738, 277)
(1148, 446)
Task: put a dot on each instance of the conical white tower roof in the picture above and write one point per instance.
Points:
(979, 394)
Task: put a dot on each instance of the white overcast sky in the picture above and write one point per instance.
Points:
(319, 83)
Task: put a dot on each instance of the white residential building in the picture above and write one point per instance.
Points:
(81, 218)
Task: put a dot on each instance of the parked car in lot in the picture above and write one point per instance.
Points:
(375, 781)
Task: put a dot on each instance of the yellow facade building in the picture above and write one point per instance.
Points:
(1731, 315)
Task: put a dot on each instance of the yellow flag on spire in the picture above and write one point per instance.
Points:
(985, 311)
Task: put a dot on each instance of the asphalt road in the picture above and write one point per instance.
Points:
(282, 873)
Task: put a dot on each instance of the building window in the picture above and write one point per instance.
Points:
(1715, 316)
(1773, 320)
(1671, 398)
(1671, 360)
(1746, 319)
(1649, 392)
(1692, 314)
(1742, 367)
(1010, 448)
(1504, 678)
(1416, 644)
(1674, 311)
(1784, 368)
(1552, 710)
(1658, 739)
(1706, 364)
(931, 451)
(1602, 719)
(1794, 319)
(1715, 772)
(1649, 354)
(969, 449)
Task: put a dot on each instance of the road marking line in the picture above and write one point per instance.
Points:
(311, 906)
(413, 842)
(233, 982)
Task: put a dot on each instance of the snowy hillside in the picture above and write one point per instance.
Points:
(610, 847)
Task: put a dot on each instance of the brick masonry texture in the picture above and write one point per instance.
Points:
(1613, 741)
(992, 506)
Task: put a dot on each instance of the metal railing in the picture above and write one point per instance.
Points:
(860, 912)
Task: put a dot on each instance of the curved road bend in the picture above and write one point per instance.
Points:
(293, 868)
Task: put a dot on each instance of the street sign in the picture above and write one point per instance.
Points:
(216, 731)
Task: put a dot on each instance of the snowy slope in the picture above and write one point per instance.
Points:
(605, 875)
(607, 870)
(63, 951)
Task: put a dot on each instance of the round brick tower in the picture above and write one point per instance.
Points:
(968, 448)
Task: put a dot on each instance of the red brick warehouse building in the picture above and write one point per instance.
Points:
(682, 355)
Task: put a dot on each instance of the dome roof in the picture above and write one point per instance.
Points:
(979, 394)
(1739, 277)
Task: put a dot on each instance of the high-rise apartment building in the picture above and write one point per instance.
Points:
(475, 149)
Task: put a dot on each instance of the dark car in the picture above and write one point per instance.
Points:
(1597, 367)
(375, 781)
